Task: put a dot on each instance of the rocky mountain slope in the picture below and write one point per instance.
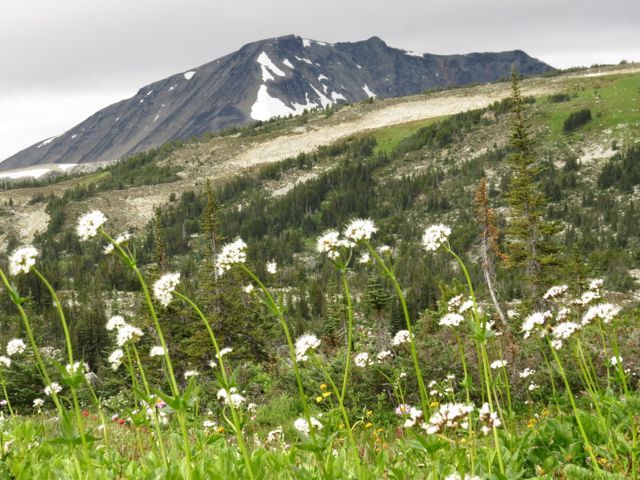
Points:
(262, 80)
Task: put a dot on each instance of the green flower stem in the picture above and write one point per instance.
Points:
(467, 389)
(67, 337)
(130, 262)
(136, 387)
(347, 294)
(583, 434)
(234, 414)
(424, 397)
(3, 382)
(345, 416)
(147, 390)
(34, 346)
(553, 382)
(273, 306)
(483, 352)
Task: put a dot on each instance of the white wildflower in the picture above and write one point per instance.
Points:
(304, 427)
(15, 346)
(454, 303)
(384, 355)
(365, 258)
(231, 254)
(225, 351)
(536, 319)
(38, 403)
(328, 242)
(115, 323)
(164, 287)
(526, 373)
(209, 424)
(435, 236)
(360, 229)
(190, 373)
(451, 320)
(555, 292)
(128, 333)
(361, 360)
(604, 311)
(115, 359)
(272, 267)
(556, 344)
(498, 364)
(231, 397)
(402, 336)
(275, 435)
(596, 284)
(533, 386)
(615, 360)
(564, 330)
(119, 240)
(157, 351)
(306, 342)
(468, 305)
(77, 367)
(89, 224)
(5, 361)
(248, 289)
(22, 259)
(54, 387)
(587, 297)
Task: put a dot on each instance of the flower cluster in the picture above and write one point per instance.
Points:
(306, 342)
(115, 323)
(15, 346)
(488, 418)
(119, 240)
(22, 259)
(401, 336)
(451, 320)
(89, 224)
(496, 364)
(304, 427)
(362, 360)
(555, 292)
(450, 416)
(5, 361)
(231, 397)
(535, 321)
(604, 311)
(54, 387)
(164, 287)
(156, 351)
(231, 254)
(360, 229)
(115, 359)
(128, 333)
(435, 236)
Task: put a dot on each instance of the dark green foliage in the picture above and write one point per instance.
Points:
(622, 171)
(559, 98)
(576, 120)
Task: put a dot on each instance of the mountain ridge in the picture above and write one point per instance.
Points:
(272, 77)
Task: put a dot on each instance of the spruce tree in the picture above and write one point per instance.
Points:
(531, 249)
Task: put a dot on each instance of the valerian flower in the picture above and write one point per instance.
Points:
(163, 289)
(15, 346)
(22, 259)
(435, 236)
(401, 336)
(231, 254)
(89, 224)
(306, 342)
(360, 229)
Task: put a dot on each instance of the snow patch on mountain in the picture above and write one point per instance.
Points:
(368, 91)
(324, 101)
(267, 107)
(414, 54)
(288, 63)
(46, 142)
(305, 60)
(268, 67)
(335, 96)
(189, 74)
(306, 42)
(322, 77)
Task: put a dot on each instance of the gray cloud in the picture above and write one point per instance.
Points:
(100, 49)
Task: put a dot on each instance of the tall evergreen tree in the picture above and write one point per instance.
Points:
(529, 241)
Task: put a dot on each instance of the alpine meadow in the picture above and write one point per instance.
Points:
(432, 284)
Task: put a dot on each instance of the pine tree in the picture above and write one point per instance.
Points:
(531, 249)
(376, 298)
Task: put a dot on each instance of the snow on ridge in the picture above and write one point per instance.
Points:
(189, 74)
(335, 96)
(268, 67)
(149, 93)
(288, 63)
(369, 93)
(358, 66)
(267, 107)
(322, 77)
(413, 54)
(324, 101)
(305, 60)
(47, 141)
(306, 42)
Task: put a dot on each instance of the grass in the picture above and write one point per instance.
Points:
(388, 138)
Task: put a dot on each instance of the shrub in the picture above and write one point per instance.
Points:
(576, 120)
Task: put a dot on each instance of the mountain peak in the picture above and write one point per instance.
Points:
(277, 76)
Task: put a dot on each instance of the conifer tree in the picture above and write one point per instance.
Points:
(530, 246)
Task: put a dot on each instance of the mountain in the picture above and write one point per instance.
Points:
(262, 80)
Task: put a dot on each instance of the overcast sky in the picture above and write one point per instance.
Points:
(62, 60)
